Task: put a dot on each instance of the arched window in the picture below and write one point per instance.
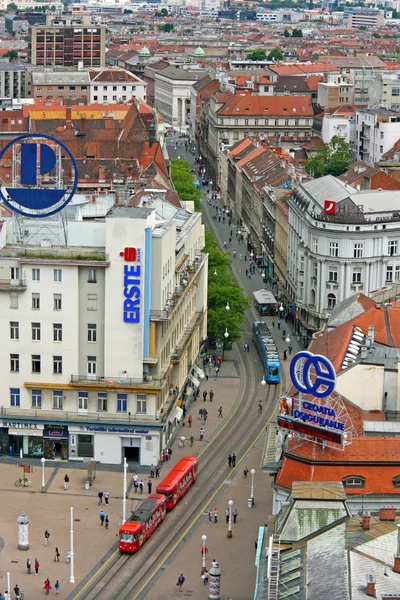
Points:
(331, 301)
(354, 481)
(396, 481)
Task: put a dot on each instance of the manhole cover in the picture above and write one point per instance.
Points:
(78, 520)
(14, 562)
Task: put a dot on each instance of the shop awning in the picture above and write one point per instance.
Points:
(199, 371)
(20, 431)
(176, 413)
(264, 297)
(194, 380)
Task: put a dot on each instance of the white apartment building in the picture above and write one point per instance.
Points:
(96, 335)
(377, 130)
(115, 85)
(342, 123)
(331, 257)
(384, 90)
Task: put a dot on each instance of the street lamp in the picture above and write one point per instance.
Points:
(263, 382)
(72, 563)
(124, 492)
(43, 461)
(203, 552)
(215, 272)
(252, 486)
(227, 307)
(230, 504)
(226, 335)
(287, 340)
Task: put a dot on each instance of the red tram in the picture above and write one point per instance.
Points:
(178, 481)
(142, 524)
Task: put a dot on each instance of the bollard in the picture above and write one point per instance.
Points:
(214, 578)
(23, 535)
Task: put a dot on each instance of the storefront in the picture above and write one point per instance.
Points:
(55, 439)
(25, 437)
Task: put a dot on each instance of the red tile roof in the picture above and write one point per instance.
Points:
(281, 106)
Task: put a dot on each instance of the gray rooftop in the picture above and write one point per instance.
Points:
(345, 311)
(326, 188)
(179, 74)
(121, 212)
(60, 78)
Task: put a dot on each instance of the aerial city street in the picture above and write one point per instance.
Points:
(199, 300)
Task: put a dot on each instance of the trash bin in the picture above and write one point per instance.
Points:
(249, 503)
(87, 485)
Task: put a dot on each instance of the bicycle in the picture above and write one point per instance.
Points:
(23, 482)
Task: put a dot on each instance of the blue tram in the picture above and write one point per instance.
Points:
(268, 352)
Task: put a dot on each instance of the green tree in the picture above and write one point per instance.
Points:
(333, 159)
(182, 179)
(11, 54)
(297, 33)
(257, 55)
(275, 54)
(167, 27)
(223, 289)
(286, 33)
(12, 7)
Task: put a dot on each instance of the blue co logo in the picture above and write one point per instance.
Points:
(35, 195)
(317, 374)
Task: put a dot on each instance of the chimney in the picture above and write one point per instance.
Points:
(387, 513)
(83, 126)
(371, 333)
(396, 566)
(371, 586)
(68, 117)
(366, 522)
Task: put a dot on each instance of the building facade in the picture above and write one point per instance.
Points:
(101, 338)
(377, 130)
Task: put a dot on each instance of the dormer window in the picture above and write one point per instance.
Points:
(353, 481)
(396, 481)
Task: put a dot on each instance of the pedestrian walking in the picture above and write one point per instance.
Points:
(66, 482)
(180, 582)
(149, 486)
(100, 498)
(190, 420)
(204, 396)
(260, 406)
(279, 323)
(205, 416)
(255, 545)
(157, 472)
(107, 521)
(283, 334)
(235, 514)
(273, 322)
(47, 586)
(201, 413)
(230, 460)
(152, 471)
(106, 497)
(182, 440)
(102, 516)
(201, 434)
(56, 555)
(205, 577)
(135, 479)
(284, 355)
(141, 487)
(214, 563)
(215, 515)
(191, 441)
(211, 395)
(36, 566)
(227, 515)
(57, 586)
(210, 515)
(233, 460)
(290, 348)
(17, 592)
(28, 567)
(220, 412)
(216, 371)
(207, 374)
(46, 538)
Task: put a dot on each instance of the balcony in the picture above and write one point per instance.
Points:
(109, 383)
(12, 285)
(73, 415)
(186, 337)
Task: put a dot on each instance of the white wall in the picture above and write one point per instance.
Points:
(107, 445)
(367, 395)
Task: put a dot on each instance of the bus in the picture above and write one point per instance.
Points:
(142, 523)
(268, 351)
(178, 481)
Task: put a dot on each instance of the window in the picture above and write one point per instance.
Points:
(396, 481)
(83, 400)
(14, 273)
(102, 401)
(315, 270)
(57, 365)
(35, 274)
(397, 273)
(57, 399)
(92, 332)
(301, 264)
(358, 250)
(392, 247)
(57, 301)
(333, 248)
(15, 397)
(141, 403)
(35, 363)
(333, 275)
(36, 398)
(14, 363)
(57, 274)
(92, 276)
(95, 98)
(35, 301)
(315, 244)
(396, 91)
(91, 365)
(13, 300)
(35, 332)
(122, 402)
(389, 273)
(356, 275)
(14, 330)
(331, 301)
(57, 332)
(353, 481)
(92, 301)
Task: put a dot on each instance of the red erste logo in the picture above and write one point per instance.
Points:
(330, 207)
(129, 254)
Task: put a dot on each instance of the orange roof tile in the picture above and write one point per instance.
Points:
(267, 105)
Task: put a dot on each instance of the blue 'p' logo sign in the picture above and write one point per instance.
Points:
(312, 374)
(40, 163)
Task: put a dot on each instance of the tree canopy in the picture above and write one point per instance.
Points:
(257, 55)
(275, 54)
(297, 33)
(12, 7)
(223, 289)
(286, 33)
(182, 179)
(167, 27)
(333, 159)
(11, 54)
